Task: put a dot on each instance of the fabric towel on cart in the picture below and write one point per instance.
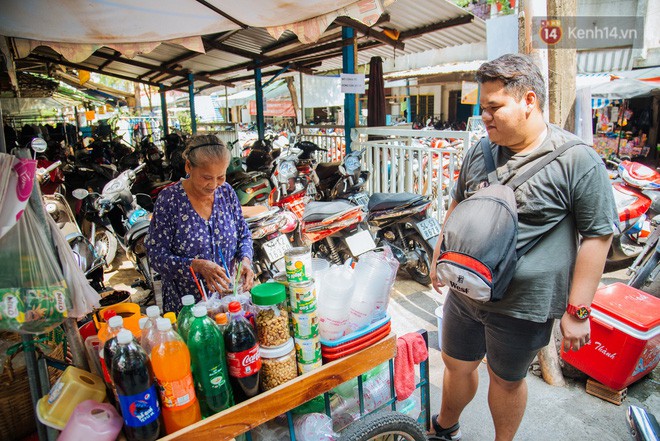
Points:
(410, 350)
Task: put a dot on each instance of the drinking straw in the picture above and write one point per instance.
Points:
(201, 291)
(224, 265)
(238, 275)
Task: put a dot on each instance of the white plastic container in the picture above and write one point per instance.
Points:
(92, 420)
(371, 278)
(333, 312)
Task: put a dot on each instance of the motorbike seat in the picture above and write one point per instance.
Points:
(136, 231)
(241, 178)
(316, 211)
(386, 201)
(326, 169)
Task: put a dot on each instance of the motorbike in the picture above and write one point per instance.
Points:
(117, 210)
(401, 221)
(343, 180)
(252, 188)
(637, 200)
(174, 147)
(644, 270)
(335, 230)
(89, 261)
(152, 157)
(643, 425)
(269, 231)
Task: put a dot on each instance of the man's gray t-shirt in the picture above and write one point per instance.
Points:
(570, 195)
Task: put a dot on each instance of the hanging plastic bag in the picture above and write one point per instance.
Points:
(16, 180)
(34, 297)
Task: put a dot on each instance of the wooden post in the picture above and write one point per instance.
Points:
(294, 98)
(562, 68)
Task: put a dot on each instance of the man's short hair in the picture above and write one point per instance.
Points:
(518, 73)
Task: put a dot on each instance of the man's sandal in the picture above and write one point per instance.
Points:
(442, 434)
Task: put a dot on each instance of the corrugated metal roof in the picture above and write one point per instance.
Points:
(604, 60)
(405, 15)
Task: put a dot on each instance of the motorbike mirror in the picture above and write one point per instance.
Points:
(38, 145)
(80, 193)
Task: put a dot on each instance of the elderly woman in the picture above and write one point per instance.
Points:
(198, 224)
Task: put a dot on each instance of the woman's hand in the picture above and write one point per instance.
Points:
(247, 275)
(214, 275)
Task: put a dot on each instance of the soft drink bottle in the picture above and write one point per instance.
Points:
(185, 316)
(150, 331)
(170, 361)
(243, 356)
(108, 349)
(138, 399)
(209, 368)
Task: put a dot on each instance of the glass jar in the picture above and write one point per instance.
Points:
(270, 314)
(278, 365)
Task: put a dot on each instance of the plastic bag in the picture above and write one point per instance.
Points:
(16, 183)
(314, 427)
(83, 297)
(34, 297)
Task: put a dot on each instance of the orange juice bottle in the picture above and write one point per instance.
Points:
(170, 361)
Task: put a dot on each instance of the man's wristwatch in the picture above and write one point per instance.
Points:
(580, 312)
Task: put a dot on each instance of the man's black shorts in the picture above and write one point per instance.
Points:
(511, 344)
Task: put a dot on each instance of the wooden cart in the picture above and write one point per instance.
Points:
(264, 407)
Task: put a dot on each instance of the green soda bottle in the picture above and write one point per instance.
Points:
(209, 366)
(185, 316)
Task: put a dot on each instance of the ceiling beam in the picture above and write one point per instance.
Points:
(105, 64)
(225, 15)
(176, 72)
(411, 33)
(63, 62)
(232, 49)
(369, 32)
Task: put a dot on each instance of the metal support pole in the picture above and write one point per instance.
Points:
(191, 98)
(227, 116)
(303, 121)
(76, 346)
(163, 110)
(44, 381)
(348, 66)
(408, 107)
(33, 379)
(3, 142)
(259, 96)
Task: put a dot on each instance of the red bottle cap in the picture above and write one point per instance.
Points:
(234, 306)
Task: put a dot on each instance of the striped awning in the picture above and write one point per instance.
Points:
(597, 103)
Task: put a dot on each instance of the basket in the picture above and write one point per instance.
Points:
(17, 418)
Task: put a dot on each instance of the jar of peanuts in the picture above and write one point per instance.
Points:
(270, 314)
(278, 365)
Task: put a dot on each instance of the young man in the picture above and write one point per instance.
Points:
(556, 279)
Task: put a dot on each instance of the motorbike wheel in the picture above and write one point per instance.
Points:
(640, 279)
(421, 273)
(106, 244)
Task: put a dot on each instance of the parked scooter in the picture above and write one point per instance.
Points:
(643, 425)
(252, 188)
(644, 270)
(343, 180)
(86, 256)
(117, 210)
(637, 200)
(336, 230)
(401, 221)
(269, 236)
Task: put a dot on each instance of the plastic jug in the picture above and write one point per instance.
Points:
(92, 420)
(371, 280)
(72, 388)
(336, 294)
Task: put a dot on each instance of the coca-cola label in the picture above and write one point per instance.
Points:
(245, 363)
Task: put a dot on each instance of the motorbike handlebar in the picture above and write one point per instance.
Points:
(139, 168)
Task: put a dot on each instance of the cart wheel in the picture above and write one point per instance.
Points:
(385, 426)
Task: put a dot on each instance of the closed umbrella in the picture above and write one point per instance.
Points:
(376, 94)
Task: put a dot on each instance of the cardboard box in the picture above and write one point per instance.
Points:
(625, 337)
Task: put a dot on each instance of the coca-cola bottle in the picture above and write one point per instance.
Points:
(243, 357)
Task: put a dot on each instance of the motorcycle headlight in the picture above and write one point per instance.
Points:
(351, 164)
(286, 171)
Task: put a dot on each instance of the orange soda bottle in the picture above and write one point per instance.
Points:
(170, 361)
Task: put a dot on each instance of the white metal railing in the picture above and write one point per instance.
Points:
(417, 161)
(329, 137)
(227, 132)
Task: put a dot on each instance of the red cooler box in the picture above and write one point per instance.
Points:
(625, 337)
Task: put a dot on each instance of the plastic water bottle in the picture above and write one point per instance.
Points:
(243, 357)
(209, 367)
(170, 361)
(185, 316)
(136, 390)
(108, 349)
(150, 331)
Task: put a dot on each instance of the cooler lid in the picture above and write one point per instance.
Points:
(628, 305)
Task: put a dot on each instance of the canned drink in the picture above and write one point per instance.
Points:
(308, 350)
(302, 296)
(298, 263)
(305, 325)
(303, 368)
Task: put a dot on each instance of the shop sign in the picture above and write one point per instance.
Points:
(274, 108)
(469, 92)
